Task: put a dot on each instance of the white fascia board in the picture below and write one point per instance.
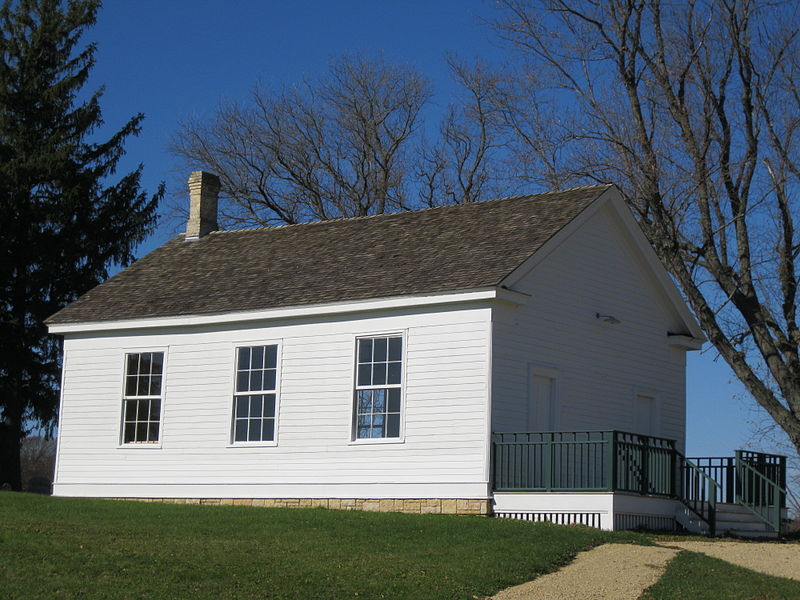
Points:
(613, 198)
(288, 312)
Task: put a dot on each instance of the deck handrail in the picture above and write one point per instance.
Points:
(723, 470)
(760, 494)
(698, 492)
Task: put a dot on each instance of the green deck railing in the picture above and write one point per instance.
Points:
(698, 492)
(761, 485)
(587, 461)
(620, 461)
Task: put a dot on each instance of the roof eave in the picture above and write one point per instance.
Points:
(483, 294)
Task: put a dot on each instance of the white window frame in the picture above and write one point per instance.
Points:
(232, 443)
(354, 439)
(124, 361)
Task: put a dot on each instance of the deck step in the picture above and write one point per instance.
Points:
(732, 519)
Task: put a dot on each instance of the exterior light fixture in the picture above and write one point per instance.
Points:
(610, 319)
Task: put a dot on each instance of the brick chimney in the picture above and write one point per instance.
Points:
(203, 193)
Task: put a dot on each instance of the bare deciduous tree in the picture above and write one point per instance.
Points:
(463, 164)
(335, 147)
(693, 108)
(349, 144)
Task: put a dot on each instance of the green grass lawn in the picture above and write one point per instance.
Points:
(693, 576)
(54, 548)
(75, 548)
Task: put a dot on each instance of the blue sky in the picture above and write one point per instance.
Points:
(175, 59)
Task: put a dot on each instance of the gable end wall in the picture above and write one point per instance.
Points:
(599, 368)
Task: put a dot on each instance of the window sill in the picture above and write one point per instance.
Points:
(253, 445)
(376, 441)
(138, 446)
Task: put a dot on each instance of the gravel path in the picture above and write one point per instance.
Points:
(618, 571)
(779, 560)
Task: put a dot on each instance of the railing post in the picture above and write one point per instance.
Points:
(548, 462)
(782, 482)
(644, 472)
(712, 508)
(673, 468)
(492, 463)
(611, 462)
(739, 487)
(730, 478)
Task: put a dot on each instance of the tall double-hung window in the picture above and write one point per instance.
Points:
(142, 395)
(255, 395)
(378, 393)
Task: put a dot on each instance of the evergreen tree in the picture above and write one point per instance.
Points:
(64, 215)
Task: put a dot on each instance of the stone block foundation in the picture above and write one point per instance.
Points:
(445, 506)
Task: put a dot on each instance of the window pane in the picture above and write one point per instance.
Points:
(380, 352)
(377, 432)
(364, 373)
(242, 406)
(144, 363)
(269, 405)
(255, 380)
(379, 401)
(379, 374)
(396, 348)
(257, 357)
(130, 385)
(271, 357)
(143, 387)
(256, 404)
(269, 379)
(141, 431)
(243, 381)
(158, 363)
(254, 430)
(393, 405)
(363, 432)
(129, 433)
(364, 351)
(155, 409)
(268, 429)
(364, 401)
(364, 420)
(155, 385)
(244, 359)
(133, 364)
(240, 433)
(152, 432)
(130, 410)
(393, 426)
(393, 374)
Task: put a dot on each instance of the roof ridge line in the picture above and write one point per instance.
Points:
(405, 212)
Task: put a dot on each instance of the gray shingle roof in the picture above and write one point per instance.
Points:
(428, 251)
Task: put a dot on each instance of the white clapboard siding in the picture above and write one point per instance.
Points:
(443, 452)
(599, 368)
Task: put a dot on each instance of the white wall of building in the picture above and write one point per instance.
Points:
(442, 453)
